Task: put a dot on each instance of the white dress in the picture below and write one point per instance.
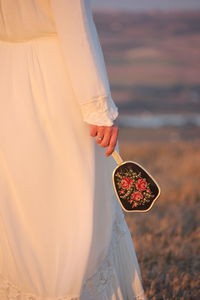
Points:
(63, 235)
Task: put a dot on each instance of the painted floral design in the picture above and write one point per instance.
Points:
(137, 196)
(141, 184)
(132, 187)
(126, 182)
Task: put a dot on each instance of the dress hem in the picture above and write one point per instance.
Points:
(118, 277)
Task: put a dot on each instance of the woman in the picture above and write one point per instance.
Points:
(63, 233)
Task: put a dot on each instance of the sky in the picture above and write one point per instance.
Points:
(145, 5)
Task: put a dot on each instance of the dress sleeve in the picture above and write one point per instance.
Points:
(84, 60)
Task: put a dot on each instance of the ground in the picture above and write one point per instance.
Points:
(167, 237)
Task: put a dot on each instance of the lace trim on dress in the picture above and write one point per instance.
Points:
(8, 291)
(96, 287)
(104, 275)
(100, 111)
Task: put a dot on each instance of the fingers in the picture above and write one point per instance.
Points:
(109, 135)
(100, 133)
(93, 130)
(106, 138)
(113, 141)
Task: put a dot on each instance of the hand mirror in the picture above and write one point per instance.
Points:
(135, 188)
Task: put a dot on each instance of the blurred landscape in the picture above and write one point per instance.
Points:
(144, 5)
(153, 60)
(153, 63)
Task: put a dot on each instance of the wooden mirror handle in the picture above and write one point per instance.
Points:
(117, 157)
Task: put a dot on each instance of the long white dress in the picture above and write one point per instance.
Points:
(63, 235)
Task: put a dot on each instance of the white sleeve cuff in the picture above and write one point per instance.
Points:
(100, 111)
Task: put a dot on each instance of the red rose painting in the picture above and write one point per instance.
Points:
(126, 182)
(133, 188)
(141, 184)
(137, 196)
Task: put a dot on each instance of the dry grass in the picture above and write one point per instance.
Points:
(166, 238)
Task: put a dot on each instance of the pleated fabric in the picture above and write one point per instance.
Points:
(51, 203)
(58, 211)
(117, 278)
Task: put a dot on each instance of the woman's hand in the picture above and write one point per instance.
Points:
(109, 135)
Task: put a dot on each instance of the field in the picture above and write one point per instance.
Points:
(167, 237)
